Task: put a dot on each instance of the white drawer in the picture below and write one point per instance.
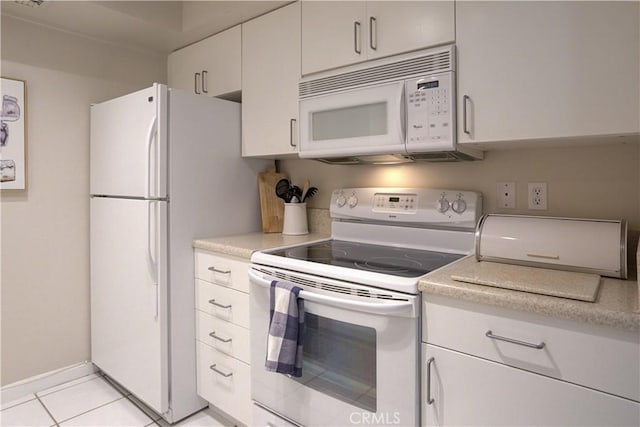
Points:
(602, 358)
(223, 303)
(225, 271)
(228, 387)
(263, 418)
(225, 337)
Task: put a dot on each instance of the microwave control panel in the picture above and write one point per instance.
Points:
(430, 111)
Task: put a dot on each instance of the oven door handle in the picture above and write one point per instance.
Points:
(403, 307)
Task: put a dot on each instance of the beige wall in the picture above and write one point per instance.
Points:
(601, 181)
(45, 230)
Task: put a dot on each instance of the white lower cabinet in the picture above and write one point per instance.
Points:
(486, 366)
(470, 391)
(222, 333)
(225, 382)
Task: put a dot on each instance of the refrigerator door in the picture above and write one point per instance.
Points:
(128, 295)
(128, 148)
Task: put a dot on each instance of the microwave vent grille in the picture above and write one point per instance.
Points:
(428, 64)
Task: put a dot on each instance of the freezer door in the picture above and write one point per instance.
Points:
(128, 148)
(128, 295)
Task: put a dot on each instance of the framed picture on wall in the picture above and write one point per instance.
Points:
(13, 135)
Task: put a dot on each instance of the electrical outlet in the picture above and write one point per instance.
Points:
(538, 195)
(506, 195)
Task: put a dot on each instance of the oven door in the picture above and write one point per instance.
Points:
(362, 121)
(360, 354)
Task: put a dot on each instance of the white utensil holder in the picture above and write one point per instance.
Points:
(295, 219)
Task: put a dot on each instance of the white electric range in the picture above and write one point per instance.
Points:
(362, 306)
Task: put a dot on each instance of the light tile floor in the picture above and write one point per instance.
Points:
(92, 400)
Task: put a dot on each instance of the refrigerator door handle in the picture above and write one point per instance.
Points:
(157, 300)
(152, 251)
(150, 261)
(151, 133)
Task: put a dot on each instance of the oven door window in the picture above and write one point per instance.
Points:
(340, 360)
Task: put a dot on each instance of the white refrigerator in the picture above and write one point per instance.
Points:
(166, 168)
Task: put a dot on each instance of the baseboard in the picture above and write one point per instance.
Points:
(22, 388)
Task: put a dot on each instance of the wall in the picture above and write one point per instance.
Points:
(600, 181)
(45, 230)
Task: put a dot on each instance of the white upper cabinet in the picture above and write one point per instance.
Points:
(401, 26)
(546, 70)
(210, 67)
(332, 34)
(335, 34)
(270, 75)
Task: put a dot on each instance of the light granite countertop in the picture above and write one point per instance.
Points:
(243, 245)
(616, 304)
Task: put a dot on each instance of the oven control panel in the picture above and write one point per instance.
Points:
(417, 206)
(401, 202)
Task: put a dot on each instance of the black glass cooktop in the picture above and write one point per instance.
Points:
(395, 261)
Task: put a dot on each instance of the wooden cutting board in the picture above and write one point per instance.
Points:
(271, 206)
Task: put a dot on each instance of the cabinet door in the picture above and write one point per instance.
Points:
(334, 34)
(401, 26)
(181, 69)
(211, 66)
(469, 391)
(221, 62)
(270, 74)
(534, 70)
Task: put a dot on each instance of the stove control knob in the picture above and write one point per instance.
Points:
(459, 206)
(341, 200)
(353, 201)
(443, 205)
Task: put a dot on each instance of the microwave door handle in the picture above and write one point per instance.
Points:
(404, 114)
(370, 307)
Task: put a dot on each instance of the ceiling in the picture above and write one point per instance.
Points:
(160, 26)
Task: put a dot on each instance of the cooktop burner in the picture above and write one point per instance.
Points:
(390, 260)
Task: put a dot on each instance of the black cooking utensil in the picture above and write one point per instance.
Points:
(310, 193)
(283, 190)
(295, 191)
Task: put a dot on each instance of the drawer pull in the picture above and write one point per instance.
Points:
(217, 304)
(215, 270)
(490, 334)
(218, 371)
(213, 335)
(430, 399)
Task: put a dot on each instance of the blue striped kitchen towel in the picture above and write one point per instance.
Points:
(286, 328)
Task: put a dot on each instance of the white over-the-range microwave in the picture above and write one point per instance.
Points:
(399, 109)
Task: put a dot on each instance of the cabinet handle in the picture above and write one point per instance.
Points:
(204, 81)
(196, 77)
(356, 38)
(430, 399)
(465, 99)
(490, 334)
(217, 304)
(218, 371)
(292, 122)
(213, 335)
(373, 23)
(215, 270)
